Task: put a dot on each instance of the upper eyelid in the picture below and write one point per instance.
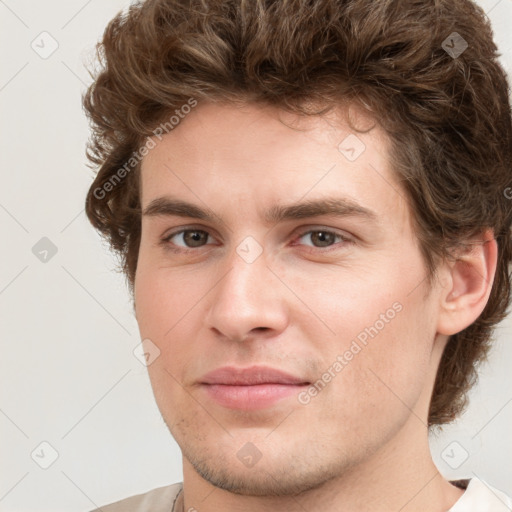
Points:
(183, 229)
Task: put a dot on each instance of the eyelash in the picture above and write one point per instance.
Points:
(166, 241)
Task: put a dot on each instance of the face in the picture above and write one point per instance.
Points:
(331, 292)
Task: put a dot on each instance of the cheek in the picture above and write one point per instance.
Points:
(163, 299)
(385, 361)
(380, 354)
(166, 309)
(389, 374)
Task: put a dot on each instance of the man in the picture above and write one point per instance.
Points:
(309, 202)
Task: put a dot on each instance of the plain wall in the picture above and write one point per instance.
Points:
(68, 374)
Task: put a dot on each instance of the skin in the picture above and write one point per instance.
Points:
(362, 442)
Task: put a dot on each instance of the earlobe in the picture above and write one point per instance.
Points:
(469, 285)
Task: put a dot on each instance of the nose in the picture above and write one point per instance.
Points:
(249, 301)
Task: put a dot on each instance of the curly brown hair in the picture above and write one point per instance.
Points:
(447, 115)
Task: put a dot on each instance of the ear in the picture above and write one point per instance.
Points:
(468, 285)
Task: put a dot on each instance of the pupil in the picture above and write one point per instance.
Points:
(194, 238)
(324, 238)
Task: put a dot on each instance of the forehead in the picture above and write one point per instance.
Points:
(256, 157)
(242, 131)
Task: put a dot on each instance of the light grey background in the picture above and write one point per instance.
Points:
(68, 374)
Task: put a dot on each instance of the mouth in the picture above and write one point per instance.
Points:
(256, 387)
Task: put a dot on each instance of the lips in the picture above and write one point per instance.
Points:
(257, 387)
(254, 375)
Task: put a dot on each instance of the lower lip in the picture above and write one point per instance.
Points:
(259, 396)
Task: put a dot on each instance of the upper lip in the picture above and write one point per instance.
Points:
(230, 375)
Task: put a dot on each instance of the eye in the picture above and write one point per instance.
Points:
(187, 238)
(320, 238)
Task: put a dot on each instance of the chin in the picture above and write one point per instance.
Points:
(260, 482)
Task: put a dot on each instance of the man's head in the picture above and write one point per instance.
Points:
(243, 109)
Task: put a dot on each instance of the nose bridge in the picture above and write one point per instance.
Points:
(247, 298)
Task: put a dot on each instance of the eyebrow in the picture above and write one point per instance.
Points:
(337, 206)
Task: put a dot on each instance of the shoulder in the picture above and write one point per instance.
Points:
(481, 497)
(160, 499)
